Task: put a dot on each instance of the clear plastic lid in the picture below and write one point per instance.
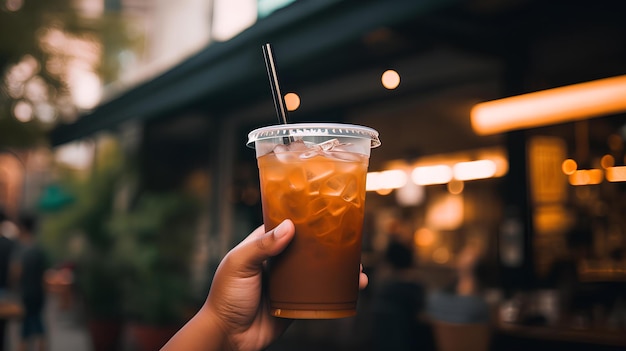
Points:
(304, 130)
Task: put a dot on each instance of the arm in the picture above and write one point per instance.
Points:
(235, 316)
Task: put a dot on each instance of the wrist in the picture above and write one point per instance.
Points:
(203, 332)
(215, 327)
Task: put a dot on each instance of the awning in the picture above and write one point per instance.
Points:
(296, 33)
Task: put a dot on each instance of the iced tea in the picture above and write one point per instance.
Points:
(314, 174)
(317, 275)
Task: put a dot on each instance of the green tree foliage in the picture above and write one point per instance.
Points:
(77, 231)
(39, 40)
(154, 242)
(21, 26)
(22, 60)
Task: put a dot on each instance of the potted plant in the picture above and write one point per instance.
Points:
(154, 242)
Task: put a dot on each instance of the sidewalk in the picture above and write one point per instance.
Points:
(65, 329)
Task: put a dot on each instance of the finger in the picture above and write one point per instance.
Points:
(363, 279)
(259, 231)
(258, 247)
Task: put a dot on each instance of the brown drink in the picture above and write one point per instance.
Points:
(317, 181)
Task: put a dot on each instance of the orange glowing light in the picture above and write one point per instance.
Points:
(429, 175)
(386, 180)
(445, 212)
(607, 161)
(424, 237)
(586, 177)
(558, 105)
(569, 166)
(472, 170)
(502, 165)
(456, 187)
(384, 191)
(390, 79)
(616, 174)
(372, 181)
(292, 100)
(394, 178)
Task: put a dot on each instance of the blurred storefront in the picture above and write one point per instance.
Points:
(553, 233)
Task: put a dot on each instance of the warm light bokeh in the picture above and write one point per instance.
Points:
(443, 169)
(428, 175)
(616, 174)
(569, 166)
(586, 177)
(390, 79)
(445, 212)
(292, 100)
(391, 179)
(472, 170)
(424, 237)
(570, 103)
(607, 161)
(456, 187)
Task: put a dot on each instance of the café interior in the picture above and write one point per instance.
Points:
(503, 125)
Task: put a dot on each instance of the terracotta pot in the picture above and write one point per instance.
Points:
(106, 335)
(150, 337)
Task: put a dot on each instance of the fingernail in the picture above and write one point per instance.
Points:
(280, 230)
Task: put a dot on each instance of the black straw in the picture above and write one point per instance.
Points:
(279, 102)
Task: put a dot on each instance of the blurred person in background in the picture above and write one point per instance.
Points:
(397, 302)
(28, 266)
(6, 247)
(462, 302)
(576, 299)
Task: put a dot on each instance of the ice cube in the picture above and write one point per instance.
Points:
(329, 144)
(310, 154)
(345, 156)
(297, 212)
(289, 153)
(350, 191)
(297, 145)
(287, 157)
(336, 207)
(314, 189)
(316, 173)
(317, 206)
(280, 148)
(335, 185)
(297, 179)
(318, 149)
(319, 170)
(272, 174)
(323, 228)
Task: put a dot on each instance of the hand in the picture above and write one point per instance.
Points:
(235, 315)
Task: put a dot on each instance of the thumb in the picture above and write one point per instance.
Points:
(253, 251)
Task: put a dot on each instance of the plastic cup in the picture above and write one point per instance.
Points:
(314, 174)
